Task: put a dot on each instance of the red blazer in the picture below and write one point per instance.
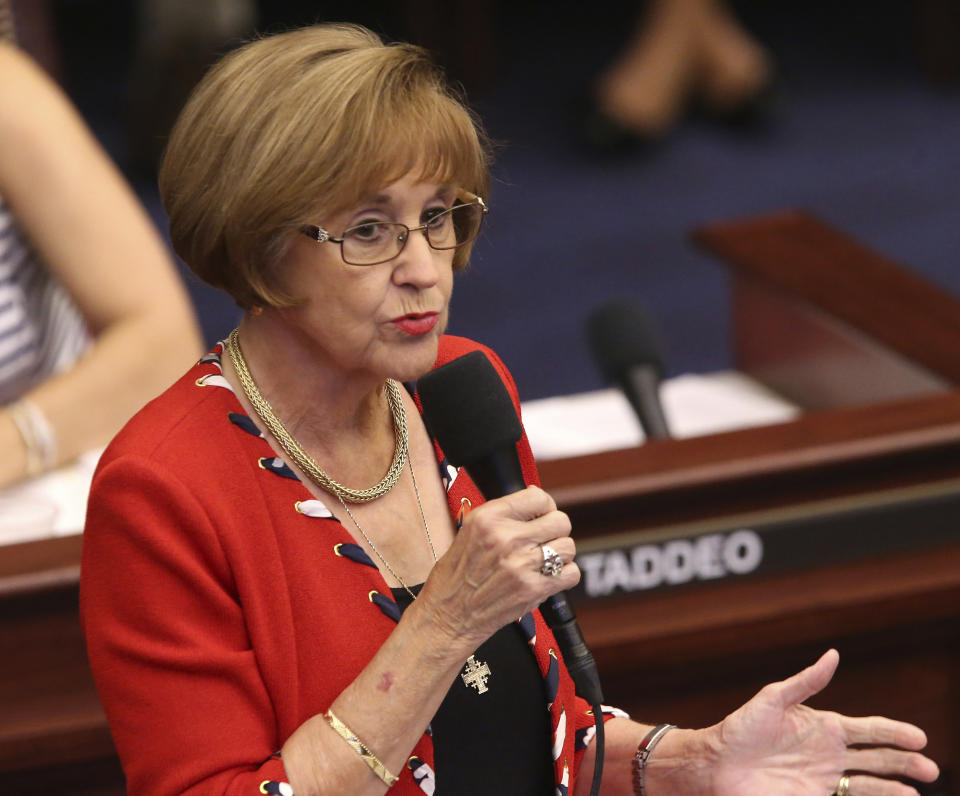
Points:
(222, 602)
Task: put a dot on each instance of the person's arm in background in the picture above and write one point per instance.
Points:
(86, 224)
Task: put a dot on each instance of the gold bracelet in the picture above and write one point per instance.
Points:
(360, 748)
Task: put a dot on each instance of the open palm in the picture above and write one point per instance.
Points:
(776, 745)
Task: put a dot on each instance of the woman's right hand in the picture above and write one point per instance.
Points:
(491, 574)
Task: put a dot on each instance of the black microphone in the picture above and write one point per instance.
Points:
(469, 412)
(626, 347)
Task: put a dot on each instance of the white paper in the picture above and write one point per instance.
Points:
(694, 405)
(55, 504)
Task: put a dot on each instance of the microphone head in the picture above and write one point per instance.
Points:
(467, 409)
(622, 337)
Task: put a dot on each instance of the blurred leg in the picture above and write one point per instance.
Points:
(645, 89)
(733, 68)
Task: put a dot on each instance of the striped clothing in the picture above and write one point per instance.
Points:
(41, 330)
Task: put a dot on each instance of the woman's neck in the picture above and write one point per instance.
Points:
(331, 413)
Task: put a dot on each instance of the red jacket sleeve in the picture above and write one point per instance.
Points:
(167, 641)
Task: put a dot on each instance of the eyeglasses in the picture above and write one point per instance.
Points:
(375, 242)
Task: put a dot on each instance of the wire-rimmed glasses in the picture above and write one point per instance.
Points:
(374, 242)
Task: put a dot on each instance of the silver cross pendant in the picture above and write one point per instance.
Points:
(475, 674)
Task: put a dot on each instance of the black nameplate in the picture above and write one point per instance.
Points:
(806, 539)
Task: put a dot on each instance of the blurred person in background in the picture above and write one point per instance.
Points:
(681, 53)
(94, 320)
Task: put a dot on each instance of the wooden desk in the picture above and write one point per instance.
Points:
(53, 733)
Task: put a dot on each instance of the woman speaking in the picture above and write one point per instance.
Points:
(286, 588)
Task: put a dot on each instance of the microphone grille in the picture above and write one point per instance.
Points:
(467, 409)
(621, 336)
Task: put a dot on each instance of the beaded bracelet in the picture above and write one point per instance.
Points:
(37, 434)
(644, 750)
(360, 748)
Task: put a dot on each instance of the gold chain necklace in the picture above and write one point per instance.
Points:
(475, 673)
(300, 456)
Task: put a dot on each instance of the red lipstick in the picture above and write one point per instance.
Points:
(416, 323)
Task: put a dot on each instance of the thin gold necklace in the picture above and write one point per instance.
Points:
(475, 673)
(304, 461)
(373, 547)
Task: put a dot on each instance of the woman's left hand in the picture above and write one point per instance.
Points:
(774, 744)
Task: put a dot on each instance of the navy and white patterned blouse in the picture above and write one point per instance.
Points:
(41, 330)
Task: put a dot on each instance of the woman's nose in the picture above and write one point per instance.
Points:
(418, 264)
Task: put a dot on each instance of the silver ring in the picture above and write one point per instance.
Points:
(552, 563)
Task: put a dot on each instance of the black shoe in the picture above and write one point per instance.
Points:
(603, 134)
(752, 113)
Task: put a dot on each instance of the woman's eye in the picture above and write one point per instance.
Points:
(366, 233)
(434, 216)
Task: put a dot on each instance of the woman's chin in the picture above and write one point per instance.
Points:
(414, 359)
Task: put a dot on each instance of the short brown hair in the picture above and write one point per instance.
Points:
(300, 125)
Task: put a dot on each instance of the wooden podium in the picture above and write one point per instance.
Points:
(856, 505)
